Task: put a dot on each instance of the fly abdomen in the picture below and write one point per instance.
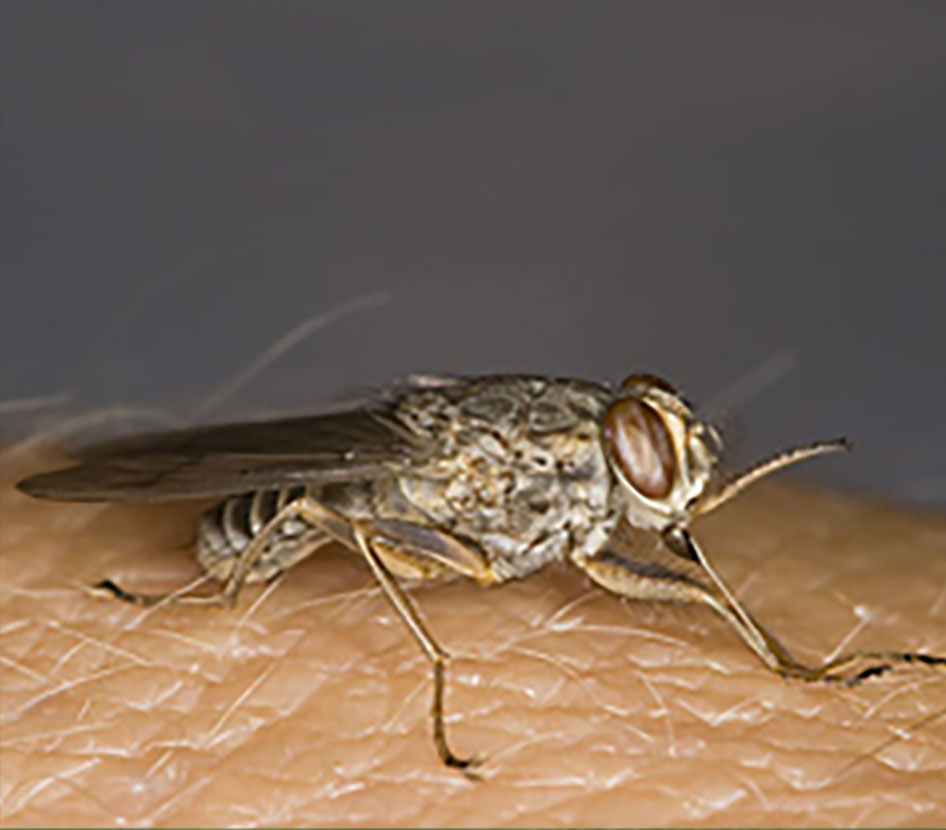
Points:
(228, 528)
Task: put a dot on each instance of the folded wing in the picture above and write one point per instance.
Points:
(221, 460)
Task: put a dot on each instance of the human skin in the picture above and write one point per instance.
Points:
(307, 704)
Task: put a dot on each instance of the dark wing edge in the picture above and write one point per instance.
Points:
(232, 458)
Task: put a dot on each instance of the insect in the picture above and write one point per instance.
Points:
(488, 478)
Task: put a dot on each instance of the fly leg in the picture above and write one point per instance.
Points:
(411, 549)
(420, 551)
(649, 582)
(431, 648)
(646, 581)
(429, 552)
(679, 540)
(225, 596)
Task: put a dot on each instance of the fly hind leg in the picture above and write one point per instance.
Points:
(410, 550)
(265, 557)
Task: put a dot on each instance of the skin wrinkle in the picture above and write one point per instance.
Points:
(246, 619)
(664, 712)
(299, 707)
(8, 661)
(87, 640)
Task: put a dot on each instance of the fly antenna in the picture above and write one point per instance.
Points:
(786, 458)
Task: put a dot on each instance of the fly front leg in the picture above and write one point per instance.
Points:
(647, 581)
(679, 540)
(653, 582)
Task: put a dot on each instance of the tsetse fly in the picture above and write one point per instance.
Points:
(489, 478)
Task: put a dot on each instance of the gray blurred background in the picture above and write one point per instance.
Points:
(713, 191)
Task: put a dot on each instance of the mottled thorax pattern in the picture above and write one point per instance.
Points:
(519, 467)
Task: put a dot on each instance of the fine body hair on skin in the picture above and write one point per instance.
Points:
(307, 703)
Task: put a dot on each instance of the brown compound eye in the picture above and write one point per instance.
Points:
(640, 444)
(646, 380)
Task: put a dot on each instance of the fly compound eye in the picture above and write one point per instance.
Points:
(639, 443)
(646, 381)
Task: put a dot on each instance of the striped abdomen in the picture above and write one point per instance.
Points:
(226, 529)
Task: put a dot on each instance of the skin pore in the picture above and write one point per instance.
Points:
(308, 703)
